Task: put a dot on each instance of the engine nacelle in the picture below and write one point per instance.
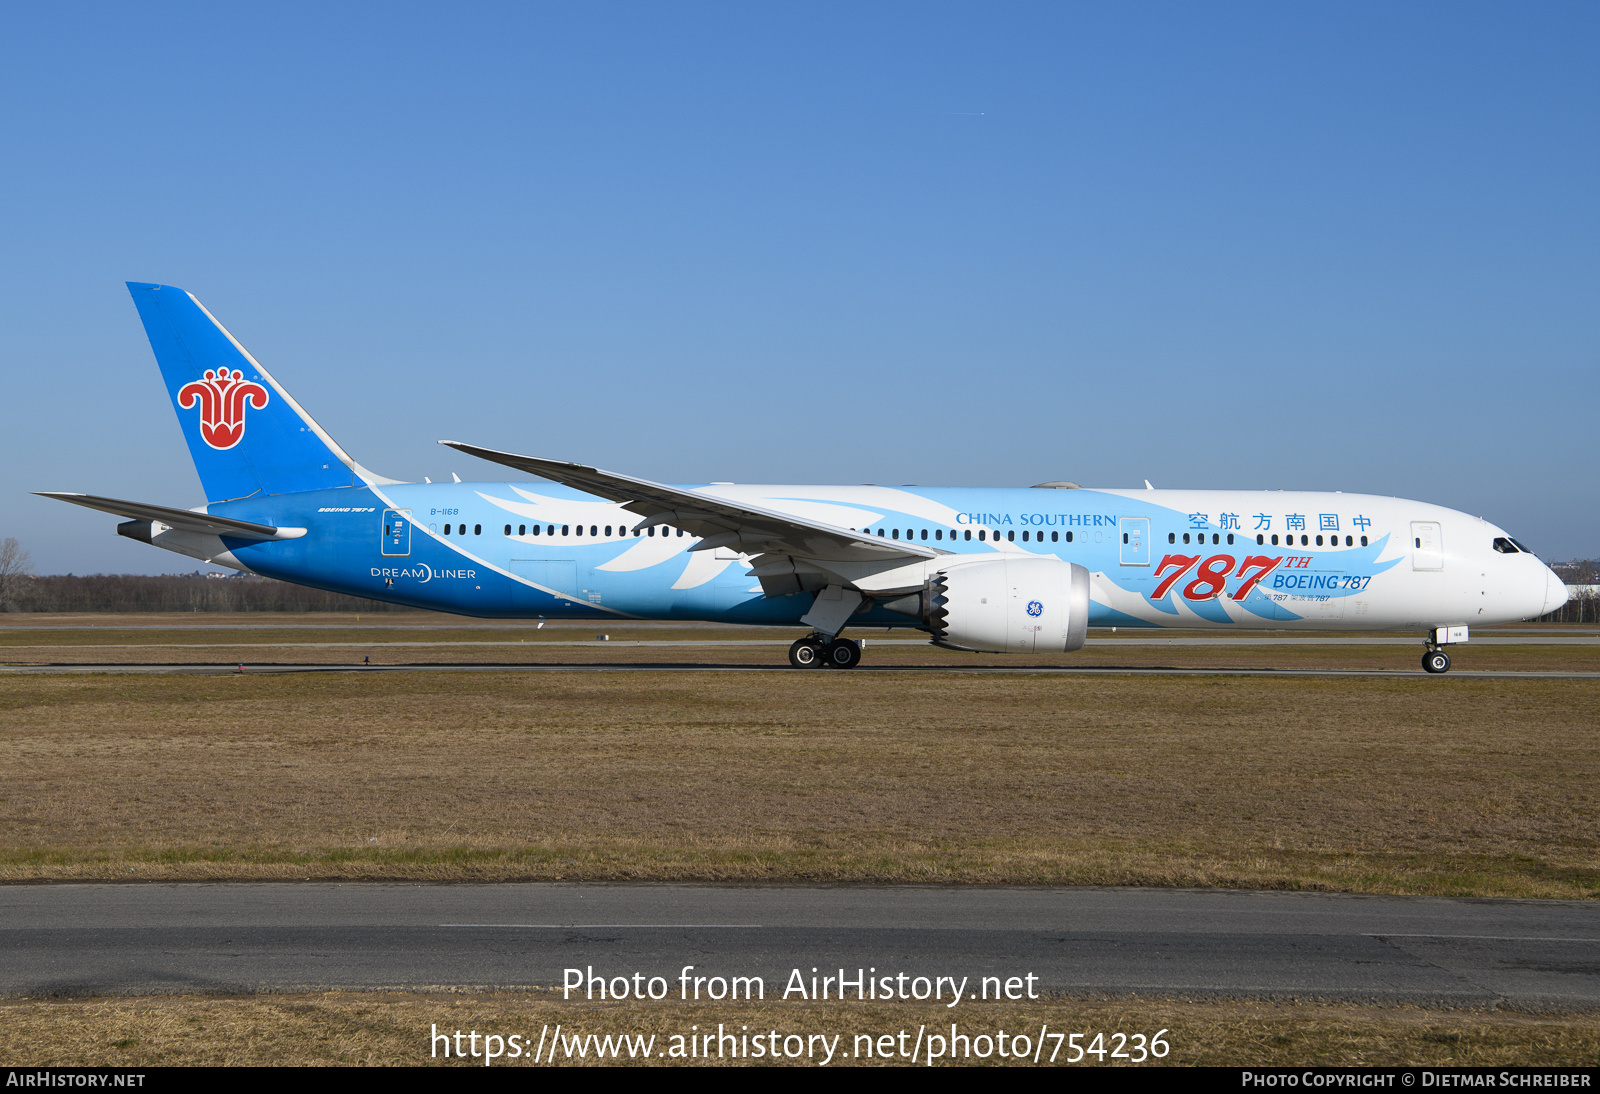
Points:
(1008, 605)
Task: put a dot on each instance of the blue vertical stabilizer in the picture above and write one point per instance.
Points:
(246, 434)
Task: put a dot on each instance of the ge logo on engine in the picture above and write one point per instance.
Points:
(1035, 608)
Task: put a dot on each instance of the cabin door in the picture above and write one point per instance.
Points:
(1135, 533)
(1427, 546)
(396, 533)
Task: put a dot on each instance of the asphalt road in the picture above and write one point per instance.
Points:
(142, 938)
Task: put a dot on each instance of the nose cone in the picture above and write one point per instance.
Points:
(1555, 593)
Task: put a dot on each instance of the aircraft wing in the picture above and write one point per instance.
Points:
(785, 545)
(182, 519)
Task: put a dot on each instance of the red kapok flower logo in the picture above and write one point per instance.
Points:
(222, 396)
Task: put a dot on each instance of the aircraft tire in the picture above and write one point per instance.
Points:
(843, 654)
(1436, 661)
(806, 654)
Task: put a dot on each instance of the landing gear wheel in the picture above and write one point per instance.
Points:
(806, 654)
(843, 654)
(1436, 661)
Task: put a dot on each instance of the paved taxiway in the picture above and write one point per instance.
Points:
(1548, 640)
(232, 667)
(139, 938)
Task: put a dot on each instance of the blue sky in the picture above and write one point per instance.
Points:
(1354, 247)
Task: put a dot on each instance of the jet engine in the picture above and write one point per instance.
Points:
(1004, 605)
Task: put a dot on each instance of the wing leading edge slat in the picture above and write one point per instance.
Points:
(751, 529)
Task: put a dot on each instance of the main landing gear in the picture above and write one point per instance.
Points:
(1435, 660)
(819, 651)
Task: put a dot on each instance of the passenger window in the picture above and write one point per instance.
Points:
(1186, 537)
(593, 531)
(608, 529)
(1260, 539)
(508, 529)
(880, 533)
(565, 528)
(477, 529)
(938, 533)
(1363, 541)
(969, 534)
(1011, 537)
(447, 529)
(1230, 539)
(1305, 541)
(680, 533)
(924, 533)
(1216, 537)
(1172, 537)
(1319, 541)
(1124, 537)
(1054, 536)
(1274, 540)
(1069, 537)
(535, 529)
(981, 532)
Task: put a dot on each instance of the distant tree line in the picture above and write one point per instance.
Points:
(1581, 606)
(175, 593)
(1583, 571)
(1579, 609)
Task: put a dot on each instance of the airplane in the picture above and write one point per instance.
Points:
(1009, 570)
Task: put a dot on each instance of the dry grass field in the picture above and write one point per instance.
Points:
(1407, 784)
(432, 639)
(374, 1029)
(1400, 784)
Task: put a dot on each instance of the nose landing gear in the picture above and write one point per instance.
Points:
(820, 652)
(1436, 660)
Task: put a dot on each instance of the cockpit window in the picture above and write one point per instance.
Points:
(1505, 546)
(1521, 546)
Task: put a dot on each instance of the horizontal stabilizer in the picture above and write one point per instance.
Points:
(183, 519)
